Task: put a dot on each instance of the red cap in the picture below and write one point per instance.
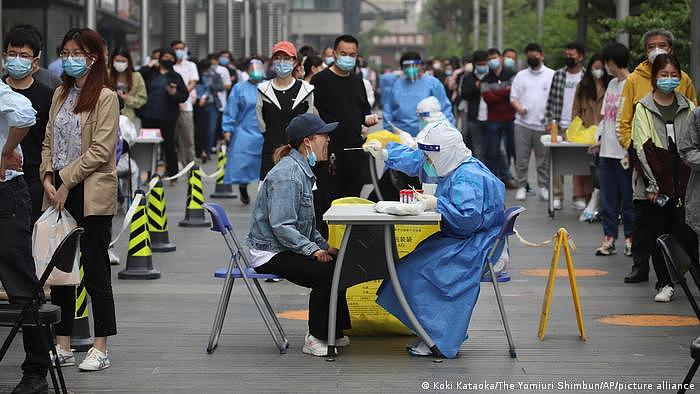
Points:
(285, 47)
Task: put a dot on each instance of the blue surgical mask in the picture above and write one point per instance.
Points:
(667, 85)
(311, 157)
(509, 63)
(224, 61)
(181, 54)
(481, 70)
(494, 64)
(329, 60)
(283, 67)
(256, 75)
(18, 68)
(422, 123)
(345, 63)
(429, 169)
(411, 72)
(75, 67)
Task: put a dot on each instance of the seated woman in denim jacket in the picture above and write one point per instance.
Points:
(283, 239)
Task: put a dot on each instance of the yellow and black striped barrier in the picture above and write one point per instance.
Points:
(139, 262)
(158, 220)
(222, 190)
(81, 340)
(194, 212)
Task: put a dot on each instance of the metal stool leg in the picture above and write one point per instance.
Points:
(502, 309)
(689, 376)
(221, 311)
(262, 310)
(56, 363)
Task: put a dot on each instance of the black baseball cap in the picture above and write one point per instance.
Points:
(307, 124)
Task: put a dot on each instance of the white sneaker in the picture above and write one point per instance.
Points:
(419, 349)
(665, 294)
(556, 204)
(579, 204)
(521, 194)
(342, 342)
(315, 346)
(65, 358)
(94, 361)
(544, 193)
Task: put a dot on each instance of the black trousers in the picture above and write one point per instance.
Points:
(36, 191)
(306, 271)
(17, 270)
(652, 221)
(167, 130)
(97, 272)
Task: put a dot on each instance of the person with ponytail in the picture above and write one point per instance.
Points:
(283, 239)
(78, 169)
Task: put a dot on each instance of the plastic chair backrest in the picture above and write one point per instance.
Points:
(511, 214)
(675, 255)
(219, 219)
(63, 257)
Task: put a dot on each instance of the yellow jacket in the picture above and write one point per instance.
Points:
(637, 86)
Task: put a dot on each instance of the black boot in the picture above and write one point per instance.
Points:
(636, 276)
(32, 384)
(245, 199)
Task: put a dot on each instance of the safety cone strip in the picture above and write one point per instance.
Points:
(157, 218)
(195, 197)
(139, 239)
(220, 166)
(81, 310)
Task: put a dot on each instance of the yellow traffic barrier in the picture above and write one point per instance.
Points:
(562, 241)
(194, 212)
(81, 340)
(158, 220)
(139, 262)
(221, 190)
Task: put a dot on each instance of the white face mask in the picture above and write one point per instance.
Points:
(120, 67)
(597, 73)
(654, 53)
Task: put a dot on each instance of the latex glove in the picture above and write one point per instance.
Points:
(407, 139)
(429, 201)
(374, 148)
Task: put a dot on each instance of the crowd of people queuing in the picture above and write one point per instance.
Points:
(291, 115)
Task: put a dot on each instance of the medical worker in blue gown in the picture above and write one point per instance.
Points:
(440, 278)
(241, 130)
(400, 107)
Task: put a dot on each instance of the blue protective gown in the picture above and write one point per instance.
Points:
(400, 108)
(244, 156)
(441, 277)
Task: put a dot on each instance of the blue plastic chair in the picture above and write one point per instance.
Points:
(239, 267)
(511, 214)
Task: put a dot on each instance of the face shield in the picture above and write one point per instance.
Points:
(412, 69)
(256, 70)
(443, 145)
(428, 111)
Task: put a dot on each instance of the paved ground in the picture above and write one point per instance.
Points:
(164, 326)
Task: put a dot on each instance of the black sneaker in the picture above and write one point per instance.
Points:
(636, 277)
(245, 198)
(32, 384)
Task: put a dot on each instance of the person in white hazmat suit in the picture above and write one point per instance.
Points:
(441, 277)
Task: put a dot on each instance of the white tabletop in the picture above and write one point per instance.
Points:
(565, 144)
(142, 140)
(365, 214)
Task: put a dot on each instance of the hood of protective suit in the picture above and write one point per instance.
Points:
(443, 144)
(429, 110)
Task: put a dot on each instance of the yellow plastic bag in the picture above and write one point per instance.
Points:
(368, 318)
(578, 134)
(384, 137)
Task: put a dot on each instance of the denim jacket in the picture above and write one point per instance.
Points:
(283, 218)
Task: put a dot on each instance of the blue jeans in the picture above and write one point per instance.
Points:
(17, 271)
(494, 156)
(212, 115)
(477, 132)
(616, 196)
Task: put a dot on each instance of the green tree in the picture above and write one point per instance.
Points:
(366, 38)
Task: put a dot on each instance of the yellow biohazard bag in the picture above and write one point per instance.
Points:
(368, 318)
(384, 137)
(578, 134)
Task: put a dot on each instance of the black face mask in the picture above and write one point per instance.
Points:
(168, 64)
(570, 62)
(533, 62)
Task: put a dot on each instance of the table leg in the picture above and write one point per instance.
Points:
(389, 248)
(333, 304)
(550, 202)
(375, 177)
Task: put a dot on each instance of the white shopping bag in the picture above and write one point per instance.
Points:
(51, 228)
